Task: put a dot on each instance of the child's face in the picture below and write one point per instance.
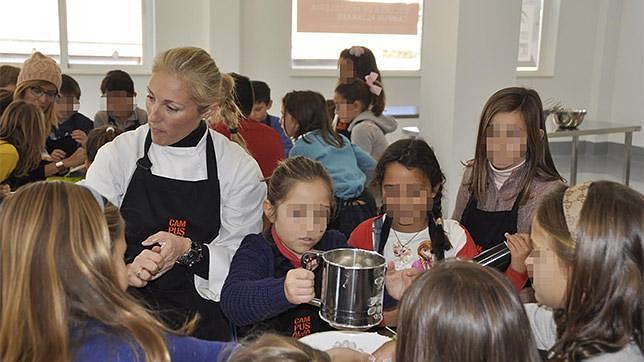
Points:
(260, 110)
(289, 124)
(42, 96)
(300, 219)
(506, 140)
(407, 194)
(120, 104)
(550, 274)
(66, 106)
(346, 70)
(118, 257)
(346, 111)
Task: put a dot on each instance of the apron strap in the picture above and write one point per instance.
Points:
(144, 162)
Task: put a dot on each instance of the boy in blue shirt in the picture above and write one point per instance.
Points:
(259, 113)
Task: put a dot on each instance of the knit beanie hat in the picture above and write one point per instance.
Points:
(40, 67)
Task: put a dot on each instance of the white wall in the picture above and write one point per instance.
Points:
(598, 65)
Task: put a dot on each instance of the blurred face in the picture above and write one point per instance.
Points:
(119, 104)
(300, 219)
(506, 140)
(260, 111)
(346, 69)
(407, 194)
(550, 274)
(289, 124)
(172, 114)
(42, 95)
(346, 111)
(66, 106)
(119, 262)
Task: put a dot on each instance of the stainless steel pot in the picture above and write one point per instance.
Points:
(352, 286)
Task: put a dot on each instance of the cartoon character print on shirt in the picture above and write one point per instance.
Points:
(402, 253)
(424, 261)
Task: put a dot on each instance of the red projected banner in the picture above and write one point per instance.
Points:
(338, 16)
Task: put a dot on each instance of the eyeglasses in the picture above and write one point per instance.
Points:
(39, 92)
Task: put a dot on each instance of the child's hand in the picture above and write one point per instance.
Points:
(79, 136)
(397, 281)
(520, 246)
(57, 155)
(299, 286)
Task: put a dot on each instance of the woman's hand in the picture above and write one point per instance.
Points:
(520, 246)
(299, 286)
(144, 267)
(397, 281)
(171, 248)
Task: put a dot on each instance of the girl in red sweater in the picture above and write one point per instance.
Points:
(411, 181)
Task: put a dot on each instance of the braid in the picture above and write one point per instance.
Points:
(440, 242)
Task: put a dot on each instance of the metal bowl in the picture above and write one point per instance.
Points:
(568, 118)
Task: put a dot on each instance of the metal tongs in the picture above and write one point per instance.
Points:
(497, 257)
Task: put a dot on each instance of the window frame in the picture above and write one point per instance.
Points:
(323, 72)
(148, 42)
(548, 42)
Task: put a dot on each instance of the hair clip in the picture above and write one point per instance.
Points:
(110, 129)
(439, 221)
(370, 79)
(356, 51)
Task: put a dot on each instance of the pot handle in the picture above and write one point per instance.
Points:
(311, 259)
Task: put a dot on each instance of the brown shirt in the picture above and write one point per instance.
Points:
(503, 199)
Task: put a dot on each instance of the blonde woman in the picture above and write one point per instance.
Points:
(63, 285)
(187, 194)
(39, 83)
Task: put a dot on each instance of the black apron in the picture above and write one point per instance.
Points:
(488, 228)
(185, 208)
(296, 322)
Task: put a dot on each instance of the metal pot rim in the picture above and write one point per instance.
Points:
(383, 264)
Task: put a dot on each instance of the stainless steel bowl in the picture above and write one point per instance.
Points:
(568, 118)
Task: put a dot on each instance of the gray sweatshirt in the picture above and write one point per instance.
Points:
(368, 132)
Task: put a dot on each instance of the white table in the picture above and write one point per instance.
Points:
(592, 128)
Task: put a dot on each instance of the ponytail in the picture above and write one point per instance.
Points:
(229, 113)
(378, 101)
(440, 242)
(359, 90)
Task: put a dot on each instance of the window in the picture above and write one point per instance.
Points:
(538, 37)
(77, 32)
(322, 28)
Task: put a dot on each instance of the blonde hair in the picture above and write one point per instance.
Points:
(50, 112)
(23, 126)
(57, 272)
(208, 86)
(273, 348)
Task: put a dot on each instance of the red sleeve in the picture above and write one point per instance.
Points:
(470, 249)
(517, 279)
(362, 236)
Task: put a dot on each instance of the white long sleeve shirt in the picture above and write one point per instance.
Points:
(242, 191)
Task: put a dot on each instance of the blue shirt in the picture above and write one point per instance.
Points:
(277, 126)
(348, 165)
(96, 341)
